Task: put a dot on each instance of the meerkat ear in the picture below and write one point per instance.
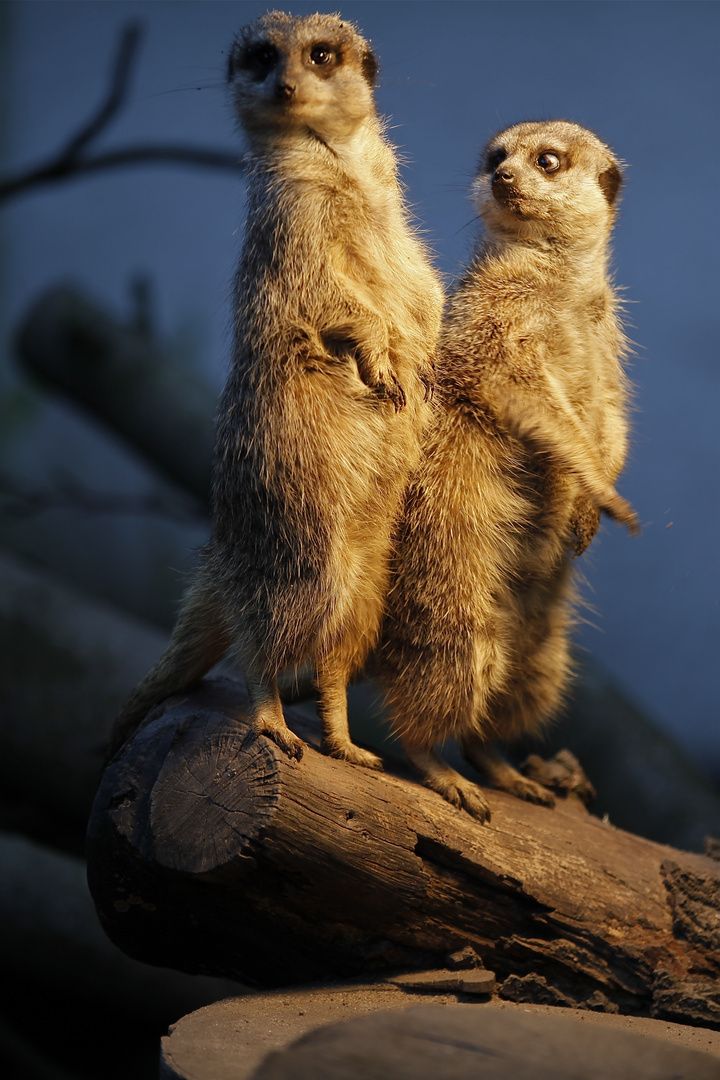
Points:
(610, 182)
(369, 66)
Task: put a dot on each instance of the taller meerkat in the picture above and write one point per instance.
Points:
(337, 312)
(530, 438)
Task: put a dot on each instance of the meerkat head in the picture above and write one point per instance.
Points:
(294, 74)
(542, 180)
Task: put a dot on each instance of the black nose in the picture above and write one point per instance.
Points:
(284, 91)
(503, 176)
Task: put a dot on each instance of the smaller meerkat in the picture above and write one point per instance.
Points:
(337, 312)
(530, 436)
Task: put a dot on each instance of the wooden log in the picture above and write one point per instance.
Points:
(119, 373)
(644, 780)
(214, 853)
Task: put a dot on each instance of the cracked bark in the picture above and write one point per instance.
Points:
(214, 854)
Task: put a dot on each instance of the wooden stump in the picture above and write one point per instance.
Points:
(231, 1039)
(433, 1042)
(215, 854)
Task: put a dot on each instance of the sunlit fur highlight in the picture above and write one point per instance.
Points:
(529, 438)
(337, 312)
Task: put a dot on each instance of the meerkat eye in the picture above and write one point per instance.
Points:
(260, 59)
(321, 55)
(494, 158)
(548, 161)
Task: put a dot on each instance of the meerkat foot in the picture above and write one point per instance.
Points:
(354, 754)
(332, 680)
(466, 796)
(529, 790)
(280, 734)
(501, 774)
(453, 787)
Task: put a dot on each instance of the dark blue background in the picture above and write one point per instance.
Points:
(643, 75)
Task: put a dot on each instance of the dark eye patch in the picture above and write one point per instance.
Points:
(493, 159)
(259, 59)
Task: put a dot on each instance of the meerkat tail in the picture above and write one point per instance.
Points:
(200, 639)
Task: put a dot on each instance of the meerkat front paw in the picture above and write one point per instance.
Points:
(584, 524)
(387, 386)
(375, 369)
(428, 378)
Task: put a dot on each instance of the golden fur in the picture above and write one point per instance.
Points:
(337, 312)
(529, 437)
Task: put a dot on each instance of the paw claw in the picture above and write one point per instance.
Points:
(542, 797)
(288, 743)
(283, 738)
(367, 759)
(469, 798)
(389, 388)
(428, 378)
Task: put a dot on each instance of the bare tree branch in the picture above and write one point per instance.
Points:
(116, 95)
(71, 160)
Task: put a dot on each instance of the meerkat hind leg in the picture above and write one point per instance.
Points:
(443, 779)
(266, 715)
(501, 774)
(332, 682)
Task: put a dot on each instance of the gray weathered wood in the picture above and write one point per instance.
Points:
(229, 1039)
(433, 1042)
(215, 853)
